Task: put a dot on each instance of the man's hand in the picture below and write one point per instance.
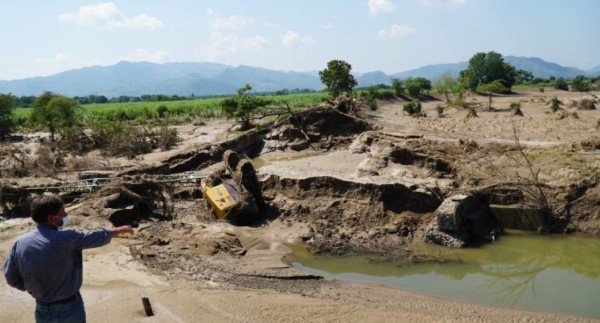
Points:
(122, 230)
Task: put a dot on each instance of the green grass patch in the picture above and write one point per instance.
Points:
(170, 112)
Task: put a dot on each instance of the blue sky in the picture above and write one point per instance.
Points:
(47, 37)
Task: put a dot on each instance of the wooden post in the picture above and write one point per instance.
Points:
(147, 306)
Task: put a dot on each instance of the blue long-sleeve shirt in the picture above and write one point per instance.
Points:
(48, 263)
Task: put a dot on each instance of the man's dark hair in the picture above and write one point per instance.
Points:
(44, 206)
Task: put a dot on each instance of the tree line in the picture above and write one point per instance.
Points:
(486, 73)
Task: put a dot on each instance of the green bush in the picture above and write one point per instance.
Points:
(459, 102)
(492, 87)
(387, 95)
(440, 110)
(398, 86)
(561, 84)
(471, 113)
(555, 104)
(515, 107)
(580, 84)
(413, 109)
(162, 111)
(372, 103)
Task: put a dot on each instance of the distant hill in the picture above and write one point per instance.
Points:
(540, 68)
(126, 78)
(203, 78)
(373, 78)
(593, 71)
(433, 72)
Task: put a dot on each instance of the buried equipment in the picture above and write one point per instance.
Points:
(233, 193)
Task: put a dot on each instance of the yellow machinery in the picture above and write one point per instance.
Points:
(222, 197)
(233, 192)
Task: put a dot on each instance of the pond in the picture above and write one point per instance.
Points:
(524, 271)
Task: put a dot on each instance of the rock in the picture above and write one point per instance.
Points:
(462, 219)
(435, 235)
(391, 228)
(298, 145)
(362, 143)
(125, 216)
(372, 233)
(370, 166)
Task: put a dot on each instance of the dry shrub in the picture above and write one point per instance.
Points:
(468, 145)
(117, 139)
(590, 144)
(74, 140)
(566, 114)
(584, 104)
(471, 113)
(47, 161)
(14, 162)
(164, 138)
(78, 163)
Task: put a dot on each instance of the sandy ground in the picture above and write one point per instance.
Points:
(114, 284)
(536, 125)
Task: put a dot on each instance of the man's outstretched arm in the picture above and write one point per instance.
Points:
(96, 238)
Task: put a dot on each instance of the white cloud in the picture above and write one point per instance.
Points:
(224, 42)
(144, 22)
(107, 15)
(57, 59)
(396, 31)
(291, 38)
(327, 25)
(432, 2)
(381, 6)
(223, 46)
(228, 23)
(144, 55)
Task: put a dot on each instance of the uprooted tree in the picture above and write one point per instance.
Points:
(337, 78)
(242, 105)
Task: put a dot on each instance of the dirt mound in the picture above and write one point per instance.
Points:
(319, 129)
(346, 216)
(129, 200)
(584, 104)
(581, 209)
(389, 149)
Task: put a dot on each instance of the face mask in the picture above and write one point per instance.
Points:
(63, 223)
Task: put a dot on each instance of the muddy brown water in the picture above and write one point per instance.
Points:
(524, 271)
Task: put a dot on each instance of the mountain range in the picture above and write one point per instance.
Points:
(203, 78)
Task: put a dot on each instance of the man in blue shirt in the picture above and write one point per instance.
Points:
(47, 262)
